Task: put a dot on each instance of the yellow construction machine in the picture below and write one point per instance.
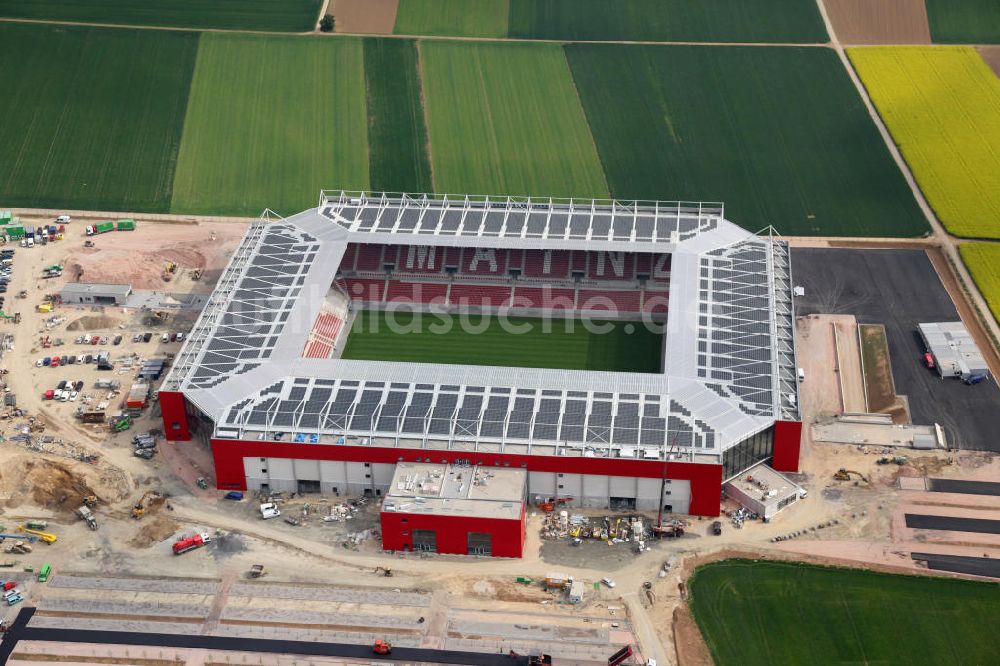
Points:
(142, 506)
(44, 536)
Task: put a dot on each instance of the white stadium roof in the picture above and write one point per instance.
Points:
(729, 351)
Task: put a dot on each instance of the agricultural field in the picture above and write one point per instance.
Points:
(627, 20)
(668, 20)
(544, 343)
(983, 261)
(283, 16)
(964, 21)
(784, 613)
(506, 119)
(461, 18)
(779, 134)
(92, 117)
(271, 121)
(942, 106)
(397, 134)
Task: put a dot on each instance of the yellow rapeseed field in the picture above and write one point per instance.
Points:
(942, 106)
(983, 260)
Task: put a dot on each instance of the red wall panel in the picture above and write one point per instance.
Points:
(452, 532)
(787, 440)
(706, 479)
(174, 414)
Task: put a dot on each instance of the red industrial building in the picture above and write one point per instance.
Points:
(260, 378)
(462, 510)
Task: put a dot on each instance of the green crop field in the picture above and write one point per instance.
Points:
(521, 342)
(465, 18)
(91, 117)
(271, 121)
(779, 135)
(397, 135)
(983, 261)
(668, 20)
(942, 106)
(505, 118)
(964, 21)
(770, 613)
(271, 15)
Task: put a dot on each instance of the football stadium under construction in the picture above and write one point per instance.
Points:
(262, 378)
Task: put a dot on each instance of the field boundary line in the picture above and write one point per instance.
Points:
(939, 233)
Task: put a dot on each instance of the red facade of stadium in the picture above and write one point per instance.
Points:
(452, 532)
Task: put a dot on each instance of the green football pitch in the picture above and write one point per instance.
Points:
(785, 613)
(523, 342)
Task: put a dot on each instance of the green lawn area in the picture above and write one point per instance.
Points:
(778, 134)
(983, 261)
(505, 118)
(964, 21)
(512, 342)
(271, 15)
(668, 20)
(91, 117)
(771, 613)
(271, 121)
(465, 18)
(942, 106)
(397, 134)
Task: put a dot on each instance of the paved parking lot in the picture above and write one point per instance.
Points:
(899, 288)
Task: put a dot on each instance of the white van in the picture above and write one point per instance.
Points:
(63, 219)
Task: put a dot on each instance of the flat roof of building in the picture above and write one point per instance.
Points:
(457, 490)
(91, 288)
(953, 347)
(729, 355)
(764, 484)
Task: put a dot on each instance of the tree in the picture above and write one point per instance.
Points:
(326, 23)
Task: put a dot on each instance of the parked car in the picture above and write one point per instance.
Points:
(146, 337)
(95, 339)
(117, 340)
(137, 337)
(717, 528)
(61, 385)
(607, 581)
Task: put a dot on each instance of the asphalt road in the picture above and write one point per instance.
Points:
(964, 487)
(20, 632)
(919, 521)
(899, 289)
(977, 566)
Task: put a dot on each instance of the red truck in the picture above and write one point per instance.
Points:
(191, 542)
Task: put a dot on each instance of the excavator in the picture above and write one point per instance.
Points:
(845, 475)
(142, 506)
(382, 647)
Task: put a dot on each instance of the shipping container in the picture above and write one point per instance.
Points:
(125, 225)
(104, 227)
(6, 217)
(14, 231)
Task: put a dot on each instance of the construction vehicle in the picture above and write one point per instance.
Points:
(620, 656)
(127, 224)
(44, 308)
(269, 510)
(88, 516)
(550, 504)
(382, 647)
(121, 423)
(168, 271)
(44, 536)
(145, 454)
(142, 506)
(90, 501)
(845, 475)
(670, 530)
(23, 293)
(557, 581)
(88, 243)
(385, 571)
(18, 548)
(256, 571)
(99, 228)
(190, 543)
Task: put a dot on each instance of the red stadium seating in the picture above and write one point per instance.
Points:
(546, 264)
(369, 257)
(543, 297)
(317, 349)
(416, 292)
(483, 261)
(365, 289)
(350, 257)
(327, 326)
(608, 300)
(655, 302)
(611, 266)
(479, 295)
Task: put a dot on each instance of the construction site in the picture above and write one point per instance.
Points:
(109, 527)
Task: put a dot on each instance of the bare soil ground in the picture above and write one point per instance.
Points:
(879, 386)
(879, 21)
(849, 365)
(991, 54)
(138, 257)
(369, 17)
